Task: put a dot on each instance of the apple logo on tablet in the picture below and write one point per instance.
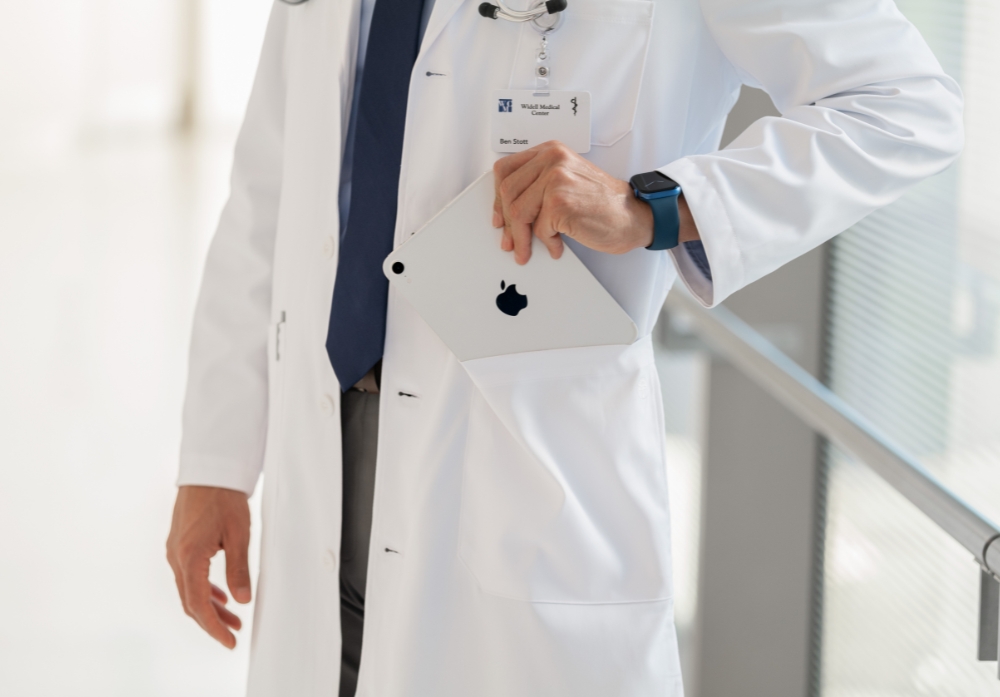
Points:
(510, 301)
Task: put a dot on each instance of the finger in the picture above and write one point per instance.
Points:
(533, 204)
(502, 168)
(512, 175)
(551, 224)
(521, 236)
(237, 568)
(527, 206)
(497, 211)
(226, 616)
(554, 244)
(178, 581)
(523, 194)
(505, 165)
(199, 604)
(546, 229)
(520, 214)
(219, 595)
(547, 233)
(513, 188)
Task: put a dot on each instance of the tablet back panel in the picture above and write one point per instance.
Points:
(482, 303)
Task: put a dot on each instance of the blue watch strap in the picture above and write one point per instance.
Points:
(666, 221)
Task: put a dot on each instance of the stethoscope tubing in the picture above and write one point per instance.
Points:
(501, 11)
(545, 16)
(504, 12)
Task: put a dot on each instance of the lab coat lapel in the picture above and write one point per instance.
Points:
(443, 11)
(326, 34)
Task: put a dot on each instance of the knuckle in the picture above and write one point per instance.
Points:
(558, 201)
(560, 152)
(186, 552)
(562, 174)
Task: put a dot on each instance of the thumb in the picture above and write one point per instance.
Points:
(547, 233)
(237, 567)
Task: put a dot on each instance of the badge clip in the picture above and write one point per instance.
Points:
(542, 69)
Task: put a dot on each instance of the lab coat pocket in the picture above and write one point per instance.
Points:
(275, 369)
(564, 494)
(275, 413)
(600, 48)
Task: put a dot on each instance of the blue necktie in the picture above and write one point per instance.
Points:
(356, 335)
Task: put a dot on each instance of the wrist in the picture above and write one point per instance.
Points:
(661, 194)
(642, 225)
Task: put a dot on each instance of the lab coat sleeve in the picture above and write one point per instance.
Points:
(866, 111)
(225, 409)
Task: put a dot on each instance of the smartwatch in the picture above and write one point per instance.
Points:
(661, 193)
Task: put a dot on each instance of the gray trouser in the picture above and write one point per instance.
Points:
(359, 425)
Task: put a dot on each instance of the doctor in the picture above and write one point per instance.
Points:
(500, 527)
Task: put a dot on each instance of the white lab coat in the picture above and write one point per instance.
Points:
(521, 536)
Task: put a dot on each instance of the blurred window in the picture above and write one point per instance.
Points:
(913, 343)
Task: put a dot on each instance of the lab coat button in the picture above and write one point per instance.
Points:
(326, 405)
(329, 560)
(328, 247)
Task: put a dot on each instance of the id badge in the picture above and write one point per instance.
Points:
(525, 118)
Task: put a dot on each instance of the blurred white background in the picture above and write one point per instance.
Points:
(116, 126)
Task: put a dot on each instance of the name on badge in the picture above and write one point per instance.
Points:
(522, 119)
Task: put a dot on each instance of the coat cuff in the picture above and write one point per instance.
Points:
(698, 281)
(717, 236)
(205, 470)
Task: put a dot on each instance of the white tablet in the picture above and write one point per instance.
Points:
(482, 303)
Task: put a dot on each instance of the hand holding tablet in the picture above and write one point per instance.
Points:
(482, 303)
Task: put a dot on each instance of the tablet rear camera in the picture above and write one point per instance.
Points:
(397, 267)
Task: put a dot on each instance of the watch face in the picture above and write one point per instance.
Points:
(653, 182)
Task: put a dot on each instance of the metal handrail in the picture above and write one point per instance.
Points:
(834, 419)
